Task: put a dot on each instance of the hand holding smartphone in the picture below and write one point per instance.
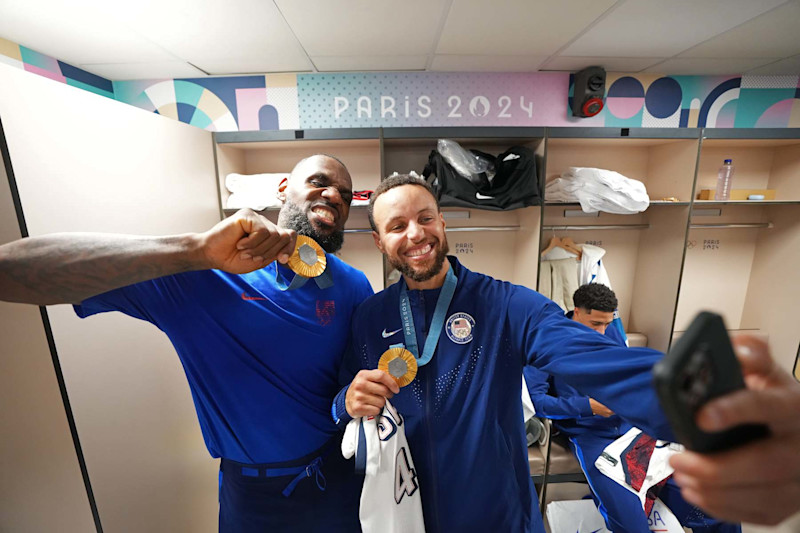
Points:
(701, 365)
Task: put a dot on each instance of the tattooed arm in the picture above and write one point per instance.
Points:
(70, 267)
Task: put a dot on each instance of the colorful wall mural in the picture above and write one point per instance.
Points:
(348, 100)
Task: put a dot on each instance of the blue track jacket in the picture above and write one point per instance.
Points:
(463, 411)
(570, 410)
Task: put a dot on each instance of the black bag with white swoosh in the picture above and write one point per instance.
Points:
(513, 186)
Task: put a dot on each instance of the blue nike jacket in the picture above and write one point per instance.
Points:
(570, 410)
(463, 411)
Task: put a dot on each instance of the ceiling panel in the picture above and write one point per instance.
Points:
(707, 66)
(476, 63)
(140, 71)
(790, 65)
(654, 28)
(74, 32)
(369, 27)
(522, 27)
(362, 62)
(611, 64)
(219, 37)
(232, 65)
(774, 34)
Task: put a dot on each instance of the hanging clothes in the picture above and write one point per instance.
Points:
(592, 270)
(558, 280)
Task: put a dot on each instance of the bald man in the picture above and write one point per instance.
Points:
(262, 361)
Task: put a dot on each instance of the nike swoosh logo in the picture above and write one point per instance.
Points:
(386, 334)
(252, 298)
(480, 196)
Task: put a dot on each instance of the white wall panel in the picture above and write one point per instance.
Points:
(38, 465)
(87, 163)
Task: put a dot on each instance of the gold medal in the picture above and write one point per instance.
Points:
(400, 364)
(308, 258)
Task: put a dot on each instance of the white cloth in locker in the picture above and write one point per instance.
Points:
(256, 191)
(390, 501)
(592, 270)
(598, 189)
(558, 280)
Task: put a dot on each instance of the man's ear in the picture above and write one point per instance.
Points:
(441, 217)
(282, 189)
(377, 239)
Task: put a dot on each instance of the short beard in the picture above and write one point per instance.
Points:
(406, 270)
(292, 217)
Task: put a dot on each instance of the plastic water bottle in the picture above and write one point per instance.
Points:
(724, 178)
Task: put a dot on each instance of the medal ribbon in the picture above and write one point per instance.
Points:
(323, 281)
(437, 324)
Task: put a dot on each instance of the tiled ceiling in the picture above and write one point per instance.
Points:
(195, 38)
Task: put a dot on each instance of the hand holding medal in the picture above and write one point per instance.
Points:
(400, 364)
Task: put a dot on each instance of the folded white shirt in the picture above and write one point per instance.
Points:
(599, 190)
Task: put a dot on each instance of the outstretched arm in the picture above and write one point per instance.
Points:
(760, 481)
(555, 408)
(70, 267)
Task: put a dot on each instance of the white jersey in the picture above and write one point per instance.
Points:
(651, 468)
(390, 501)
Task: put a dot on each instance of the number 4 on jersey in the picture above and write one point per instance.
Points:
(405, 478)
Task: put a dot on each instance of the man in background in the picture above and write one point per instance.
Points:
(590, 427)
(262, 362)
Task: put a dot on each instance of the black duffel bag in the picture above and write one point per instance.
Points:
(514, 185)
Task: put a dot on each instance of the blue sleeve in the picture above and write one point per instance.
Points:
(347, 372)
(349, 368)
(144, 300)
(553, 407)
(617, 377)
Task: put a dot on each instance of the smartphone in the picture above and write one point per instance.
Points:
(701, 366)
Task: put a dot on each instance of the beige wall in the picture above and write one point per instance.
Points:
(87, 163)
(41, 488)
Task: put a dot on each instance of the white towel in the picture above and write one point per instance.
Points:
(256, 191)
(599, 190)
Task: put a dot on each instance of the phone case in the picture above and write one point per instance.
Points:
(700, 366)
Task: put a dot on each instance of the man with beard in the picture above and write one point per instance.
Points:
(471, 335)
(262, 362)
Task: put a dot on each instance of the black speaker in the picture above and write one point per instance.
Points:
(589, 89)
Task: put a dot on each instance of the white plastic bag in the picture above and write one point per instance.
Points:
(582, 516)
(463, 161)
(575, 515)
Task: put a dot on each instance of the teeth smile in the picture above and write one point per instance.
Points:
(324, 214)
(419, 251)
